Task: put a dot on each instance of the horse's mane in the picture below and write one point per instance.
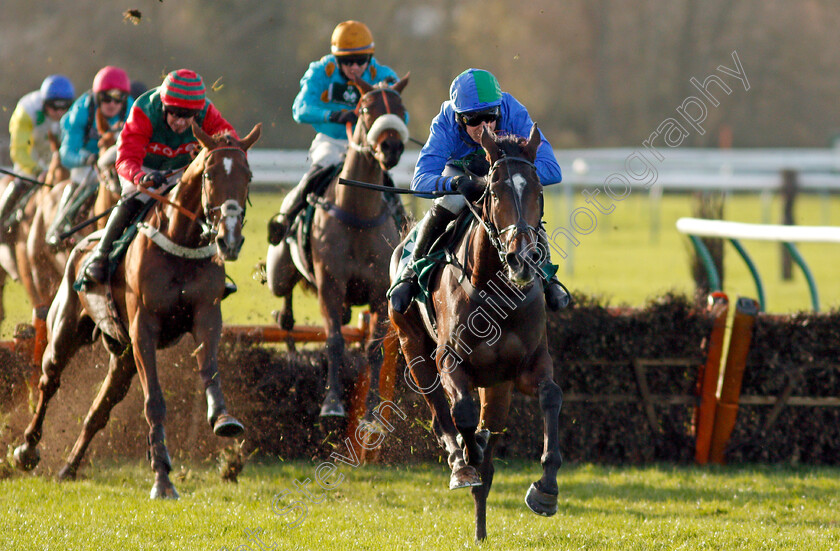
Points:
(510, 144)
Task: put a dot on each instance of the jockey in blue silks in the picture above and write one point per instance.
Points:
(476, 100)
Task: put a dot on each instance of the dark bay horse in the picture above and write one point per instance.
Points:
(171, 282)
(353, 234)
(489, 314)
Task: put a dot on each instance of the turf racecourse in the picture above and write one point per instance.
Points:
(409, 507)
(635, 254)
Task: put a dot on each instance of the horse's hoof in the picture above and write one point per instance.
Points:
(226, 425)
(540, 502)
(67, 473)
(26, 458)
(161, 491)
(465, 477)
(332, 407)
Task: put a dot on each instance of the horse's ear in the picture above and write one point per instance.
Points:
(205, 140)
(252, 136)
(533, 143)
(488, 142)
(399, 86)
(362, 85)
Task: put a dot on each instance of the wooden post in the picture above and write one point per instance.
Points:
(788, 195)
(726, 412)
(704, 415)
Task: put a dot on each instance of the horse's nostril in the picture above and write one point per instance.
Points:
(512, 260)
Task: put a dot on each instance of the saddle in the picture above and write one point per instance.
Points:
(300, 232)
(82, 284)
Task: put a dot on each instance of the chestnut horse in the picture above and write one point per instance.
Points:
(352, 237)
(15, 261)
(171, 282)
(489, 316)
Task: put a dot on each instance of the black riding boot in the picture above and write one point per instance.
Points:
(556, 296)
(280, 223)
(121, 217)
(11, 196)
(432, 225)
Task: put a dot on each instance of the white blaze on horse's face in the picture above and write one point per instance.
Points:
(228, 162)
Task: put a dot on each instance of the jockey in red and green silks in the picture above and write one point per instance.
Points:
(153, 147)
(475, 101)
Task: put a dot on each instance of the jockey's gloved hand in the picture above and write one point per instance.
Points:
(343, 116)
(479, 165)
(469, 187)
(153, 179)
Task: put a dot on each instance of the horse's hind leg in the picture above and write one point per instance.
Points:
(114, 388)
(495, 403)
(65, 338)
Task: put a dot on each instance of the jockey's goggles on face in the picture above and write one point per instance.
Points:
(354, 59)
(180, 112)
(475, 118)
(58, 104)
(111, 96)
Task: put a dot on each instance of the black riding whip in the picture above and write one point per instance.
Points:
(24, 178)
(388, 189)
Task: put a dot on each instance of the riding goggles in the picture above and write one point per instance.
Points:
(111, 96)
(58, 104)
(475, 118)
(353, 59)
(181, 112)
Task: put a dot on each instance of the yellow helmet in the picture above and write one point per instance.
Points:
(351, 37)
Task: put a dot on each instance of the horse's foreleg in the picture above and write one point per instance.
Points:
(114, 388)
(379, 324)
(418, 352)
(495, 403)
(207, 333)
(64, 340)
(282, 276)
(542, 495)
(332, 307)
(464, 414)
(144, 338)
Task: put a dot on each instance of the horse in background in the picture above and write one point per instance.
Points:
(352, 235)
(487, 330)
(13, 259)
(171, 282)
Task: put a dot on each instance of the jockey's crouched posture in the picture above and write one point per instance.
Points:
(327, 100)
(476, 100)
(153, 148)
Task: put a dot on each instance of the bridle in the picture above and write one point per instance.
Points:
(230, 210)
(387, 121)
(516, 181)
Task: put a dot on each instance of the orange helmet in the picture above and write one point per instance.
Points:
(351, 37)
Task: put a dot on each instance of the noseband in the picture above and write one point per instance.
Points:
(388, 121)
(516, 181)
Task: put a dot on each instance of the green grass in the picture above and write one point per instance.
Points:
(634, 255)
(409, 507)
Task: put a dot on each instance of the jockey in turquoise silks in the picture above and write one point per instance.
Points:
(327, 100)
(475, 101)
